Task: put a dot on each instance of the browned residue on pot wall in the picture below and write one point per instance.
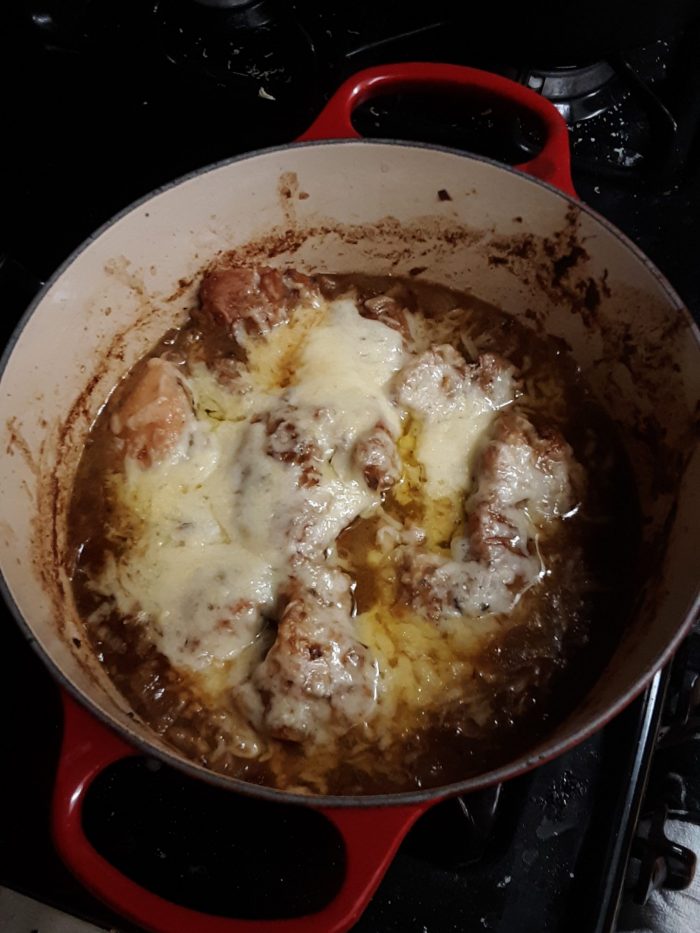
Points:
(288, 190)
(16, 444)
(556, 265)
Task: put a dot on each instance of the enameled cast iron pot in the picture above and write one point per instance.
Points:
(516, 237)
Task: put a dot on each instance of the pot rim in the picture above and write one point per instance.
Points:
(523, 763)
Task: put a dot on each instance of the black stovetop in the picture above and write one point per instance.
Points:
(102, 106)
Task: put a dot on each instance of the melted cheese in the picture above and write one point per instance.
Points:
(452, 429)
(346, 365)
(220, 519)
(420, 667)
(220, 522)
(447, 443)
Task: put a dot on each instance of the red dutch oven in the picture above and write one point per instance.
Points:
(338, 203)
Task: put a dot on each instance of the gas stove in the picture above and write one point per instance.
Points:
(123, 100)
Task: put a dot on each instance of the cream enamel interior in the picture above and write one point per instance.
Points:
(372, 207)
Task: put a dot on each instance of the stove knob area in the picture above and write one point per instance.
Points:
(673, 787)
(656, 861)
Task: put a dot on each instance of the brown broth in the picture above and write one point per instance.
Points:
(532, 671)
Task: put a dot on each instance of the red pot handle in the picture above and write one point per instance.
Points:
(371, 836)
(552, 164)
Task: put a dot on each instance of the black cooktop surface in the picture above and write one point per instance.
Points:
(102, 105)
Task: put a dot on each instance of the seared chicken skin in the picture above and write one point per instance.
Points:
(377, 456)
(437, 380)
(247, 301)
(317, 675)
(155, 415)
(522, 481)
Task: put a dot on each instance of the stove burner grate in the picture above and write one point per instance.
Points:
(578, 92)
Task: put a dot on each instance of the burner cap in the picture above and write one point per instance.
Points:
(577, 91)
